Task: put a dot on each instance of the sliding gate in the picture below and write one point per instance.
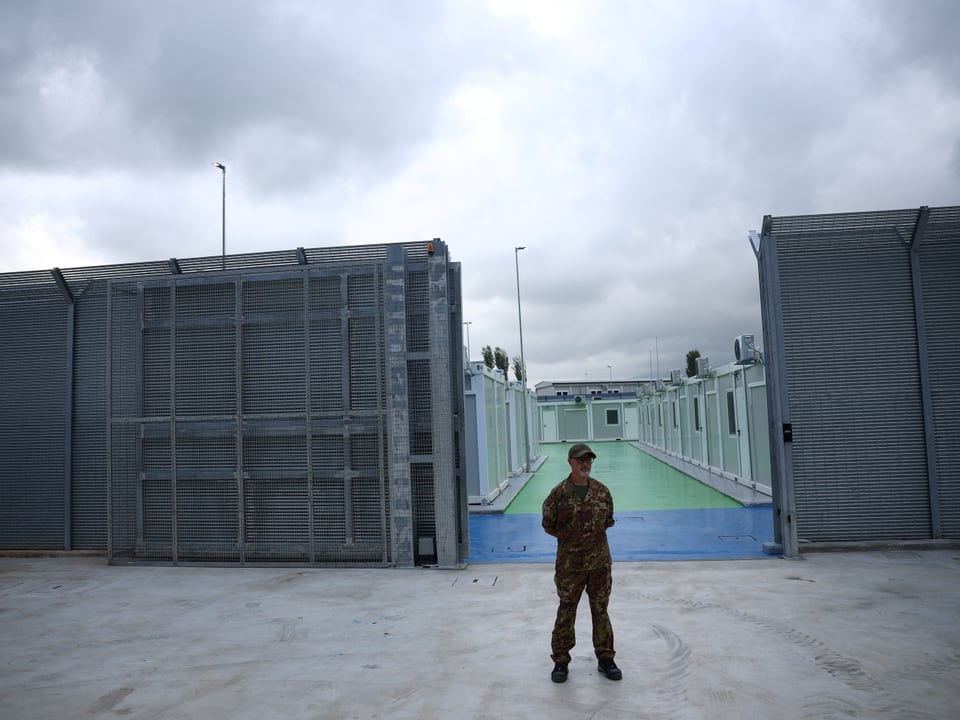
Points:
(284, 416)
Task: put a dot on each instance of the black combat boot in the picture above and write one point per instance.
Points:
(609, 668)
(559, 673)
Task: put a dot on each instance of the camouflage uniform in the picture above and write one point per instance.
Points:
(583, 563)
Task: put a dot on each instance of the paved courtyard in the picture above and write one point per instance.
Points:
(869, 635)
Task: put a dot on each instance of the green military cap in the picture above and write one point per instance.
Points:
(581, 450)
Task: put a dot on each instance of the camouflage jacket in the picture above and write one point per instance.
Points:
(580, 526)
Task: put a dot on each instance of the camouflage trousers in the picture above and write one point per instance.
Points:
(570, 587)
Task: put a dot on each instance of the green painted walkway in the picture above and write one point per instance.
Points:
(636, 480)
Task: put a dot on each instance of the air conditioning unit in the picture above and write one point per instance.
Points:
(703, 367)
(744, 350)
(676, 377)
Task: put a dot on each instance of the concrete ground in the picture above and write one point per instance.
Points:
(834, 635)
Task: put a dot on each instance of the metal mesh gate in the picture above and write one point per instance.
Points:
(283, 416)
(34, 386)
(939, 269)
(861, 318)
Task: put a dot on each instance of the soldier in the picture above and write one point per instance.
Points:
(578, 512)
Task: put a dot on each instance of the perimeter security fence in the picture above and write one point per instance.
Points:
(861, 315)
(301, 407)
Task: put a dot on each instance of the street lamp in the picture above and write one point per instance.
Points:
(468, 323)
(610, 368)
(223, 207)
(523, 367)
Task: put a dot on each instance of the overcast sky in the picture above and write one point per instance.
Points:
(630, 146)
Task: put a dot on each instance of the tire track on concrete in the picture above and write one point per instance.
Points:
(831, 708)
(672, 688)
(879, 702)
(847, 670)
(948, 666)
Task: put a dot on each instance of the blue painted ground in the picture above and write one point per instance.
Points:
(707, 534)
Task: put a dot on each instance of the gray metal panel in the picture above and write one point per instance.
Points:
(420, 380)
(33, 363)
(940, 263)
(443, 410)
(459, 418)
(850, 354)
(239, 470)
(249, 416)
(778, 406)
(226, 461)
(398, 427)
(89, 467)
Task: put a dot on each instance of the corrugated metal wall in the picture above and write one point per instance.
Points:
(842, 327)
(88, 519)
(34, 319)
(940, 270)
(296, 408)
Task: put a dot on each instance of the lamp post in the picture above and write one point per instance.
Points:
(223, 210)
(523, 367)
(468, 323)
(610, 368)
(657, 344)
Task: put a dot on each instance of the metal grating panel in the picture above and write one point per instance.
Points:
(250, 419)
(239, 404)
(418, 311)
(239, 487)
(32, 471)
(442, 355)
(327, 296)
(88, 501)
(458, 417)
(847, 303)
(852, 358)
(940, 263)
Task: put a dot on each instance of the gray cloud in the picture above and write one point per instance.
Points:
(168, 82)
(629, 146)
